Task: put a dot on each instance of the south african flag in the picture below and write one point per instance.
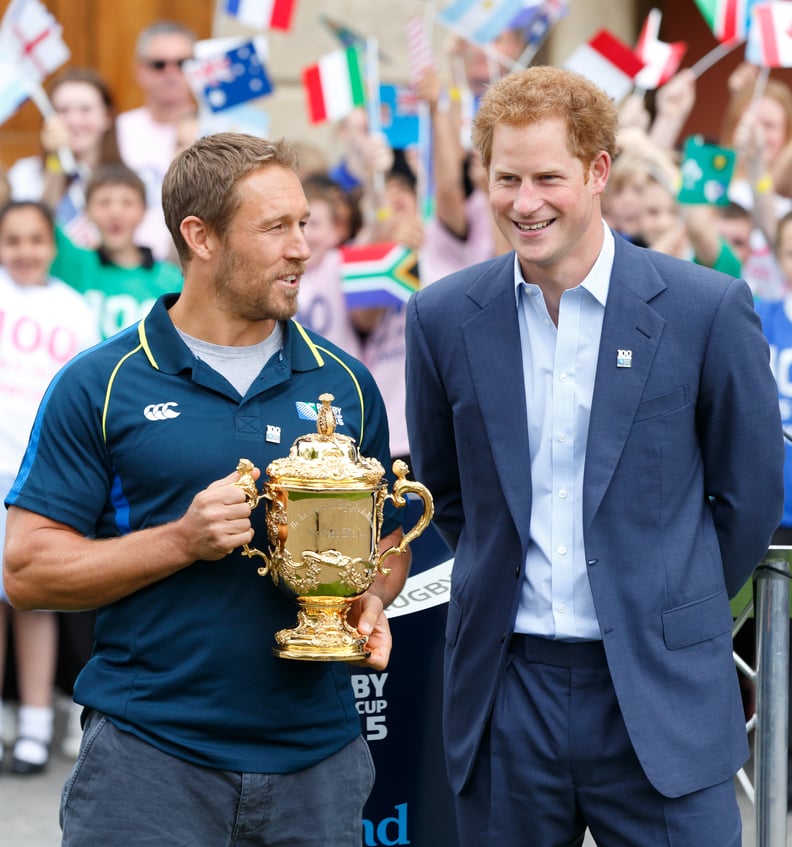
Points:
(384, 274)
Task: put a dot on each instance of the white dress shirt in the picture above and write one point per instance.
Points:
(559, 365)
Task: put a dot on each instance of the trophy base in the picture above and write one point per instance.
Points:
(322, 633)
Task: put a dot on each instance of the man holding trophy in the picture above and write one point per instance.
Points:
(197, 729)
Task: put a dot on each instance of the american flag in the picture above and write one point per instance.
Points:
(419, 50)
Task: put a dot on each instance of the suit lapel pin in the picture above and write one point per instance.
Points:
(624, 359)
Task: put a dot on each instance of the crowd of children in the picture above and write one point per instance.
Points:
(85, 254)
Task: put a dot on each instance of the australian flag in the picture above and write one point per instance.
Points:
(230, 78)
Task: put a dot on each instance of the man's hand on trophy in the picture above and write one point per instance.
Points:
(218, 519)
(367, 614)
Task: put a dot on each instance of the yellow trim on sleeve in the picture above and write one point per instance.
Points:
(110, 388)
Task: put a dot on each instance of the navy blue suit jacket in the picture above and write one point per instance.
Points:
(682, 491)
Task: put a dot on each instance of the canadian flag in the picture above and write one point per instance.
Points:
(662, 59)
(608, 63)
(770, 35)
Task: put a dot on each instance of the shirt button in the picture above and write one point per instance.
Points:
(562, 493)
(562, 436)
(563, 376)
(561, 550)
(561, 608)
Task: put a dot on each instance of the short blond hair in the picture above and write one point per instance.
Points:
(543, 93)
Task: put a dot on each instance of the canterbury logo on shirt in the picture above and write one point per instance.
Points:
(161, 411)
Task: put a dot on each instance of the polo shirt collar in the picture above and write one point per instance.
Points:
(168, 353)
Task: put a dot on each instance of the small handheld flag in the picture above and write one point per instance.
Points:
(770, 36)
(728, 19)
(706, 173)
(28, 31)
(14, 89)
(661, 59)
(536, 19)
(334, 86)
(261, 14)
(230, 78)
(384, 274)
(479, 21)
(608, 63)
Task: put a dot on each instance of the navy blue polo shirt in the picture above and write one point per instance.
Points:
(126, 435)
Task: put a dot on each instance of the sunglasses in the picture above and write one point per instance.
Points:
(161, 64)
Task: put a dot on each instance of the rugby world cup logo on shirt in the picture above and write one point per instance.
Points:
(161, 411)
(310, 411)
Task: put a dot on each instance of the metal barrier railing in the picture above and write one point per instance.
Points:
(770, 721)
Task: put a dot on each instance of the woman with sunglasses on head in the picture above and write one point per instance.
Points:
(149, 136)
(75, 140)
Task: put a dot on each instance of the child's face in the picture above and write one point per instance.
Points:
(658, 212)
(321, 231)
(117, 211)
(784, 251)
(80, 106)
(623, 206)
(27, 246)
(737, 233)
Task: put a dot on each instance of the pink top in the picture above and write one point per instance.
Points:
(443, 253)
(322, 306)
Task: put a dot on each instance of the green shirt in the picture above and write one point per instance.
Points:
(726, 261)
(118, 296)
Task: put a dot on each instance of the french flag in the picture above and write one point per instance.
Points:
(262, 14)
(608, 63)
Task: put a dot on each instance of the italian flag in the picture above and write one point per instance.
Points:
(770, 35)
(384, 274)
(728, 19)
(334, 86)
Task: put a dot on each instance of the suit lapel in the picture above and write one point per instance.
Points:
(630, 324)
(492, 340)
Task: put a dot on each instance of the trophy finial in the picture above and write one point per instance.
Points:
(325, 419)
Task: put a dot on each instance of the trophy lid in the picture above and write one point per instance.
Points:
(325, 459)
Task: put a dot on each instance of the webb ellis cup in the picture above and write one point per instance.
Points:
(324, 508)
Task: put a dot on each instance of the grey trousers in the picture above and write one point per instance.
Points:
(125, 792)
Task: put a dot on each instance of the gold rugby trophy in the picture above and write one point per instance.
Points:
(324, 506)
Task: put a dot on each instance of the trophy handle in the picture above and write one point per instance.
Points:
(402, 487)
(248, 485)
